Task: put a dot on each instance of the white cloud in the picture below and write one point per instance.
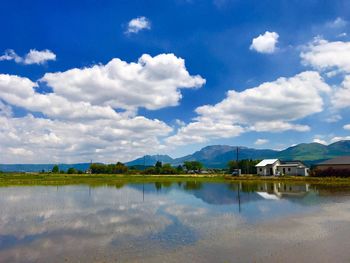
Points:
(11, 55)
(72, 141)
(261, 141)
(286, 99)
(32, 57)
(333, 118)
(152, 83)
(137, 24)
(327, 56)
(339, 138)
(340, 97)
(270, 107)
(317, 140)
(19, 91)
(5, 110)
(337, 23)
(39, 57)
(76, 126)
(180, 122)
(198, 132)
(265, 43)
(347, 127)
(277, 126)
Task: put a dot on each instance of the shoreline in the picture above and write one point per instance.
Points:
(18, 179)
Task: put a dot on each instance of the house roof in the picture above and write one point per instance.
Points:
(292, 164)
(266, 162)
(338, 160)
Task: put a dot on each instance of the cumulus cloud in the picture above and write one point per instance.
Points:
(39, 57)
(5, 110)
(261, 141)
(347, 127)
(152, 82)
(83, 117)
(46, 140)
(265, 43)
(340, 98)
(19, 91)
(333, 57)
(32, 57)
(271, 107)
(137, 24)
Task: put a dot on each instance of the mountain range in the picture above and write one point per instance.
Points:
(216, 156)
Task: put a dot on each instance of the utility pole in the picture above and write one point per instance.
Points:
(237, 150)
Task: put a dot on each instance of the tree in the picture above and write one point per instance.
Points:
(71, 170)
(193, 166)
(247, 166)
(55, 169)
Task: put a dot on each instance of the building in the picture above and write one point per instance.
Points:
(269, 167)
(338, 163)
(293, 168)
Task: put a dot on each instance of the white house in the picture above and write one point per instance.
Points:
(276, 167)
(268, 167)
(293, 168)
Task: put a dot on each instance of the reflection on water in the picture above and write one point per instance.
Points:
(143, 221)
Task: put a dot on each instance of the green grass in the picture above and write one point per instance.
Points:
(17, 179)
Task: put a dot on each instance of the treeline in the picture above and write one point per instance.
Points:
(247, 166)
(99, 168)
(188, 167)
(70, 170)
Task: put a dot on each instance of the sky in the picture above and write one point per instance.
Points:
(111, 81)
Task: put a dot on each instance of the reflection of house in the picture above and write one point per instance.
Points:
(280, 190)
(338, 163)
(276, 167)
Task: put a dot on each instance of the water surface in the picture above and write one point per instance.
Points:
(175, 222)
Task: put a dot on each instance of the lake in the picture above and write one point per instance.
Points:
(175, 222)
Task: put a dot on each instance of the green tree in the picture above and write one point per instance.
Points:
(193, 166)
(55, 169)
(247, 166)
(72, 170)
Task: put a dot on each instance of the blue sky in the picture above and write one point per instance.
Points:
(60, 102)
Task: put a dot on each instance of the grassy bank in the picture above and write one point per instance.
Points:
(17, 179)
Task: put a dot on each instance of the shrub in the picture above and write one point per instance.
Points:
(331, 172)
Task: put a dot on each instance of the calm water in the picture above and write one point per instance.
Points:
(178, 222)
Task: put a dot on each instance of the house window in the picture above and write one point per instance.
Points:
(288, 169)
(260, 169)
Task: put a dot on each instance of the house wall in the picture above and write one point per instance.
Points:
(290, 170)
(293, 170)
(265, 171)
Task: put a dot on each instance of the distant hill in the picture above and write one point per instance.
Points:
(148, 160)
(41, 167)
(215, 156)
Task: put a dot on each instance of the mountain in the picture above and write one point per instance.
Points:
(305, 152)
(150, 160)
(41, 167)
(215, 156)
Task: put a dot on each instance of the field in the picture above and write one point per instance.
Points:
(14, 179)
